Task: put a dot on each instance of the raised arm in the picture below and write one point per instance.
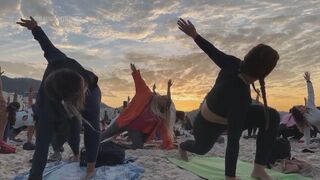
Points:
(221, 59)
(140, 84)
(154, 87)
(170, 83)
(51, 53)
(310, 101)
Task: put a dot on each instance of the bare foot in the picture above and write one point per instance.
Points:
(260, 173)
(183, 154)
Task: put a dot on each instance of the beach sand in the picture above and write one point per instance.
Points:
(155, 162)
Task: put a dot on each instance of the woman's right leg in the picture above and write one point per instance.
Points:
(112, 130)
(137, 139)
(205, 134)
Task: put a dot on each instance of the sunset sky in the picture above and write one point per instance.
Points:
(106, 36)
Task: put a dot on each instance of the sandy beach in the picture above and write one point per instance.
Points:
(155, 161)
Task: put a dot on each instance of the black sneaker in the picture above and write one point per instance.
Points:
(28, 146)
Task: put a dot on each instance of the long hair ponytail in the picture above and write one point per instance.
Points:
(265, 102)
(258, 63)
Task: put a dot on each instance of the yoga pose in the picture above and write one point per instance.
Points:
(308, 115)
(4, 147)
(226, 105)
(146, 113)
(67, 95)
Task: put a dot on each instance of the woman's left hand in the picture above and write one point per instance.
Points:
(307, 76)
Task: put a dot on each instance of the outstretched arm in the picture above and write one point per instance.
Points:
(217, 56)
(170, 83)
(51, 53)
(140, 84)
(310, 101)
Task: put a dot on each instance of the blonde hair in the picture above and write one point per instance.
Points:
(68, 86)
(164, 113)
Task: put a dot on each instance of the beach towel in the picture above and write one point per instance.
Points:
(72, 171)
(213, 168)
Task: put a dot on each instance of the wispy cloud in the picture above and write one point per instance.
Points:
(106, 36)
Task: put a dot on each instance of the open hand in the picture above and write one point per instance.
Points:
(170, 83)
(133, 67)
(307, 76)
(30, 24)
(187, 27)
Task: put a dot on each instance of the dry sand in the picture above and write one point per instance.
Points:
(155, 162)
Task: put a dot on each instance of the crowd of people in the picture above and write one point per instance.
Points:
(69, 98)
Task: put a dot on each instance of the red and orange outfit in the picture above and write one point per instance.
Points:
(138, 115)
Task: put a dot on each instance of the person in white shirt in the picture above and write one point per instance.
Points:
(307, 116)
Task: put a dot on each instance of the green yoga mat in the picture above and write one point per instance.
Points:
(213, 168)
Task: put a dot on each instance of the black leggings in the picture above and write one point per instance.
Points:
(50, 120)
(206, 133)
(73, 137)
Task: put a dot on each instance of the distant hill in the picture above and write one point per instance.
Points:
(21, 85)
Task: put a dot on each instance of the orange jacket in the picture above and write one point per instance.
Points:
(141, 99)
(139, 102)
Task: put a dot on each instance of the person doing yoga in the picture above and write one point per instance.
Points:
(68, 95)
(226, 105)
(146, 113)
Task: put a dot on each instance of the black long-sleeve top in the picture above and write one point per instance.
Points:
(51, 111)
(230, 98)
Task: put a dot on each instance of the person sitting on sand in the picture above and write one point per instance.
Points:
(226, 105)
(24, 120)
(308, 115)
(67, 95)
(4, 147)
(146, 113)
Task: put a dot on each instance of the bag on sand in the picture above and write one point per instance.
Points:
(109, 154)
(280, 150)
(293, 165)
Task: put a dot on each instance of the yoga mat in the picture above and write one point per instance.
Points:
(212, 168)
(72, 171)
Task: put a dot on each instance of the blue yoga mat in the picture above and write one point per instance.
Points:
(72, 171)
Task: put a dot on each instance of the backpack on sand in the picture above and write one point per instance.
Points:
(281, 150)
(109, 154)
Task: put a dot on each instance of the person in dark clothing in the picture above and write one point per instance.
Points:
(226, 105)
(68, 93)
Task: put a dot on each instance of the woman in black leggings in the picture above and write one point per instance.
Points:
(226, 105)
(68, 94)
